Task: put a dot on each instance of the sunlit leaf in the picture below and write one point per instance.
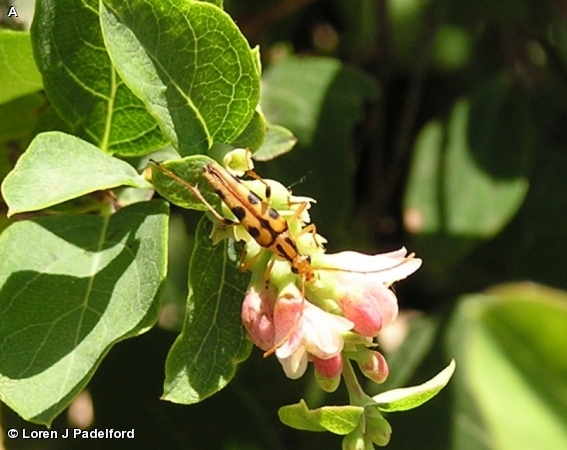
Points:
(81, 82)
(411, 397)
(18, 72)
(58, 167)
(172, 183)
(511, 384)
(189, 64)
(336, 419)
(279, 140)
(92, 282)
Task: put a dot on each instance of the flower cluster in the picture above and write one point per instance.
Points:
(336, 314)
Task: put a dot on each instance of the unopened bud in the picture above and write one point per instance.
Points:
(328, 372)
(373, 365)
(354, 440)
(377, 428)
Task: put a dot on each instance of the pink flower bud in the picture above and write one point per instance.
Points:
(369, 305)
(361, 286)
(373, 365)
(327, 384)
(329, 368)
(258, 315)
(328, 372)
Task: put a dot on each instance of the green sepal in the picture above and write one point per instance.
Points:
(377, 427)
(336, 419)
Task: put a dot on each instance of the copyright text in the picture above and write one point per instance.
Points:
(71, 433)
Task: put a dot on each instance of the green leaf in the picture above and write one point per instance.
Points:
(213, 341)
(58, 167)
(18, 72)
(189, 64)
(92, 282)
(190, 170)
(253, 135)
(218, 3)
(469, 174)
(278, 141)
(20, 117)
(511, 387)
(444, 172)
(412, 397)
(81, 83)
(320, 100)
(336, 419)
(531, 247)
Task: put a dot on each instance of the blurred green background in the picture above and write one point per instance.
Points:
(439, 125)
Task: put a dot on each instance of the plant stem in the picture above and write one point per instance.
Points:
(355, 392)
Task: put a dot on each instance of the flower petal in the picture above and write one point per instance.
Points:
(288, 325)
(385, 267)
(295, 365)
(323, 331)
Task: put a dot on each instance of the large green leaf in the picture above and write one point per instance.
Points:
(511, 386)
(82, 84)
(453, 193)
(91, 282)
(58, 167)
(189, 64)
(469, 175)
(18, 73)
(204, 357)
(320, 100)
(253, 135)
(532, 246)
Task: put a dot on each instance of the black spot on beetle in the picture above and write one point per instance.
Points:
(253, 198)
(265, 224)
(239, 212)
(273, 213)
(290, 242)
(220, 194)
(280, 250)
(254, 232)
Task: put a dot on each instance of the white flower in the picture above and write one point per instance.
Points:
(303, 329)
